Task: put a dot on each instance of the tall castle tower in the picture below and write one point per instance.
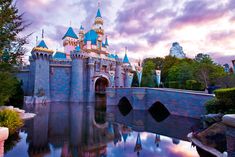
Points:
(40, 58)
(99, 28)
(70, 41)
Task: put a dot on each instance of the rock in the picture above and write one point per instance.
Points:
(208, 120)
(214, 136)
(177, 51)
(229, 120)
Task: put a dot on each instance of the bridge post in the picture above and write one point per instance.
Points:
(4, 132)
(229, 121)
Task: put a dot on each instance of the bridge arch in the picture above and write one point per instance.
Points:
(124, 106)
(158, 111)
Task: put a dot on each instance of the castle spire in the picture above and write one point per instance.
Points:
(42, 34)
(98, 14)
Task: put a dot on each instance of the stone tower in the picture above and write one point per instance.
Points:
(41, 56)
(77, 94)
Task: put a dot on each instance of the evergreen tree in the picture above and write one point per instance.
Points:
(11, 24)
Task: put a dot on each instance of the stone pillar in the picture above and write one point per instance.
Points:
(91, 88)
(229, 121)
(4, 133)
(77, 93)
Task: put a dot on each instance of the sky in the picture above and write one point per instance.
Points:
(146, 27)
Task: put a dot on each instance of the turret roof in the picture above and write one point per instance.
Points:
(59, 55)
(125, 60)
(98, 14)
(42, 44)
(81, 27)
(106, 41)
(91, 36)
(70, 33)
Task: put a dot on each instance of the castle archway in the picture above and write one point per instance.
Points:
(101, 84)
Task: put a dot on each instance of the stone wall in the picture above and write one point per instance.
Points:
(178, 102)
(60, 77)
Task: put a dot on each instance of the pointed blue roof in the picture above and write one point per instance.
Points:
(81, 27)
(42, 44)
(106, 42)
(70, 33)
(91, 36)
(77, 48)
(59, 55)
(125, 60)
(98, 14)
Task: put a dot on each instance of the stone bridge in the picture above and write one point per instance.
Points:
(177, 102)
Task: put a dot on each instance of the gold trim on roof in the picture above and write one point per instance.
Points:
(41, 49)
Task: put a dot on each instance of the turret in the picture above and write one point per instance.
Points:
(98, 27)
(81, 36)
(77, 88)
(127, 68)
(40, 59)
(70, 41)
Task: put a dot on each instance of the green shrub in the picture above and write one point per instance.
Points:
(10, 119)
(189, 84)
(223, 103)
(174, 84)
(198, 86)
(225, 94)
(8, 86)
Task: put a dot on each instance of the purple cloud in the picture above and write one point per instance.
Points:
(198, 12)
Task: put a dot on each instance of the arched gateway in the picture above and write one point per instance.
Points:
(101, 84)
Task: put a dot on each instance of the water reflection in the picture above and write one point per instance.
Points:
(77, 130)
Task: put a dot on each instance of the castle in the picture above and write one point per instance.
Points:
(84, 68)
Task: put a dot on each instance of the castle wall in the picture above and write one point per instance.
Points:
(60, 80)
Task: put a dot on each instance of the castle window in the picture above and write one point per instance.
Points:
(97, 67)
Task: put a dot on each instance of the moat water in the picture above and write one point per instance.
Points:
(86, 130)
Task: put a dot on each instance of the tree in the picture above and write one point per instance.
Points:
(208, 73)
(135, 82)
(11, 49)
(169, 61)
(11, 24)
(203, 58)
(148, 74)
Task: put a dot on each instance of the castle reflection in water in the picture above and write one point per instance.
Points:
(74, 130)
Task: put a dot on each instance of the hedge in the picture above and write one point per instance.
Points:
(225, 94)
(223, 103)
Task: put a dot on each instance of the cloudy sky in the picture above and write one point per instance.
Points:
(146, 27)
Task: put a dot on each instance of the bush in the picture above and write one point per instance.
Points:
(10, 119)
(189, 84)
(223, 103)
(8, 86)
(225, 94)
(174, 84)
